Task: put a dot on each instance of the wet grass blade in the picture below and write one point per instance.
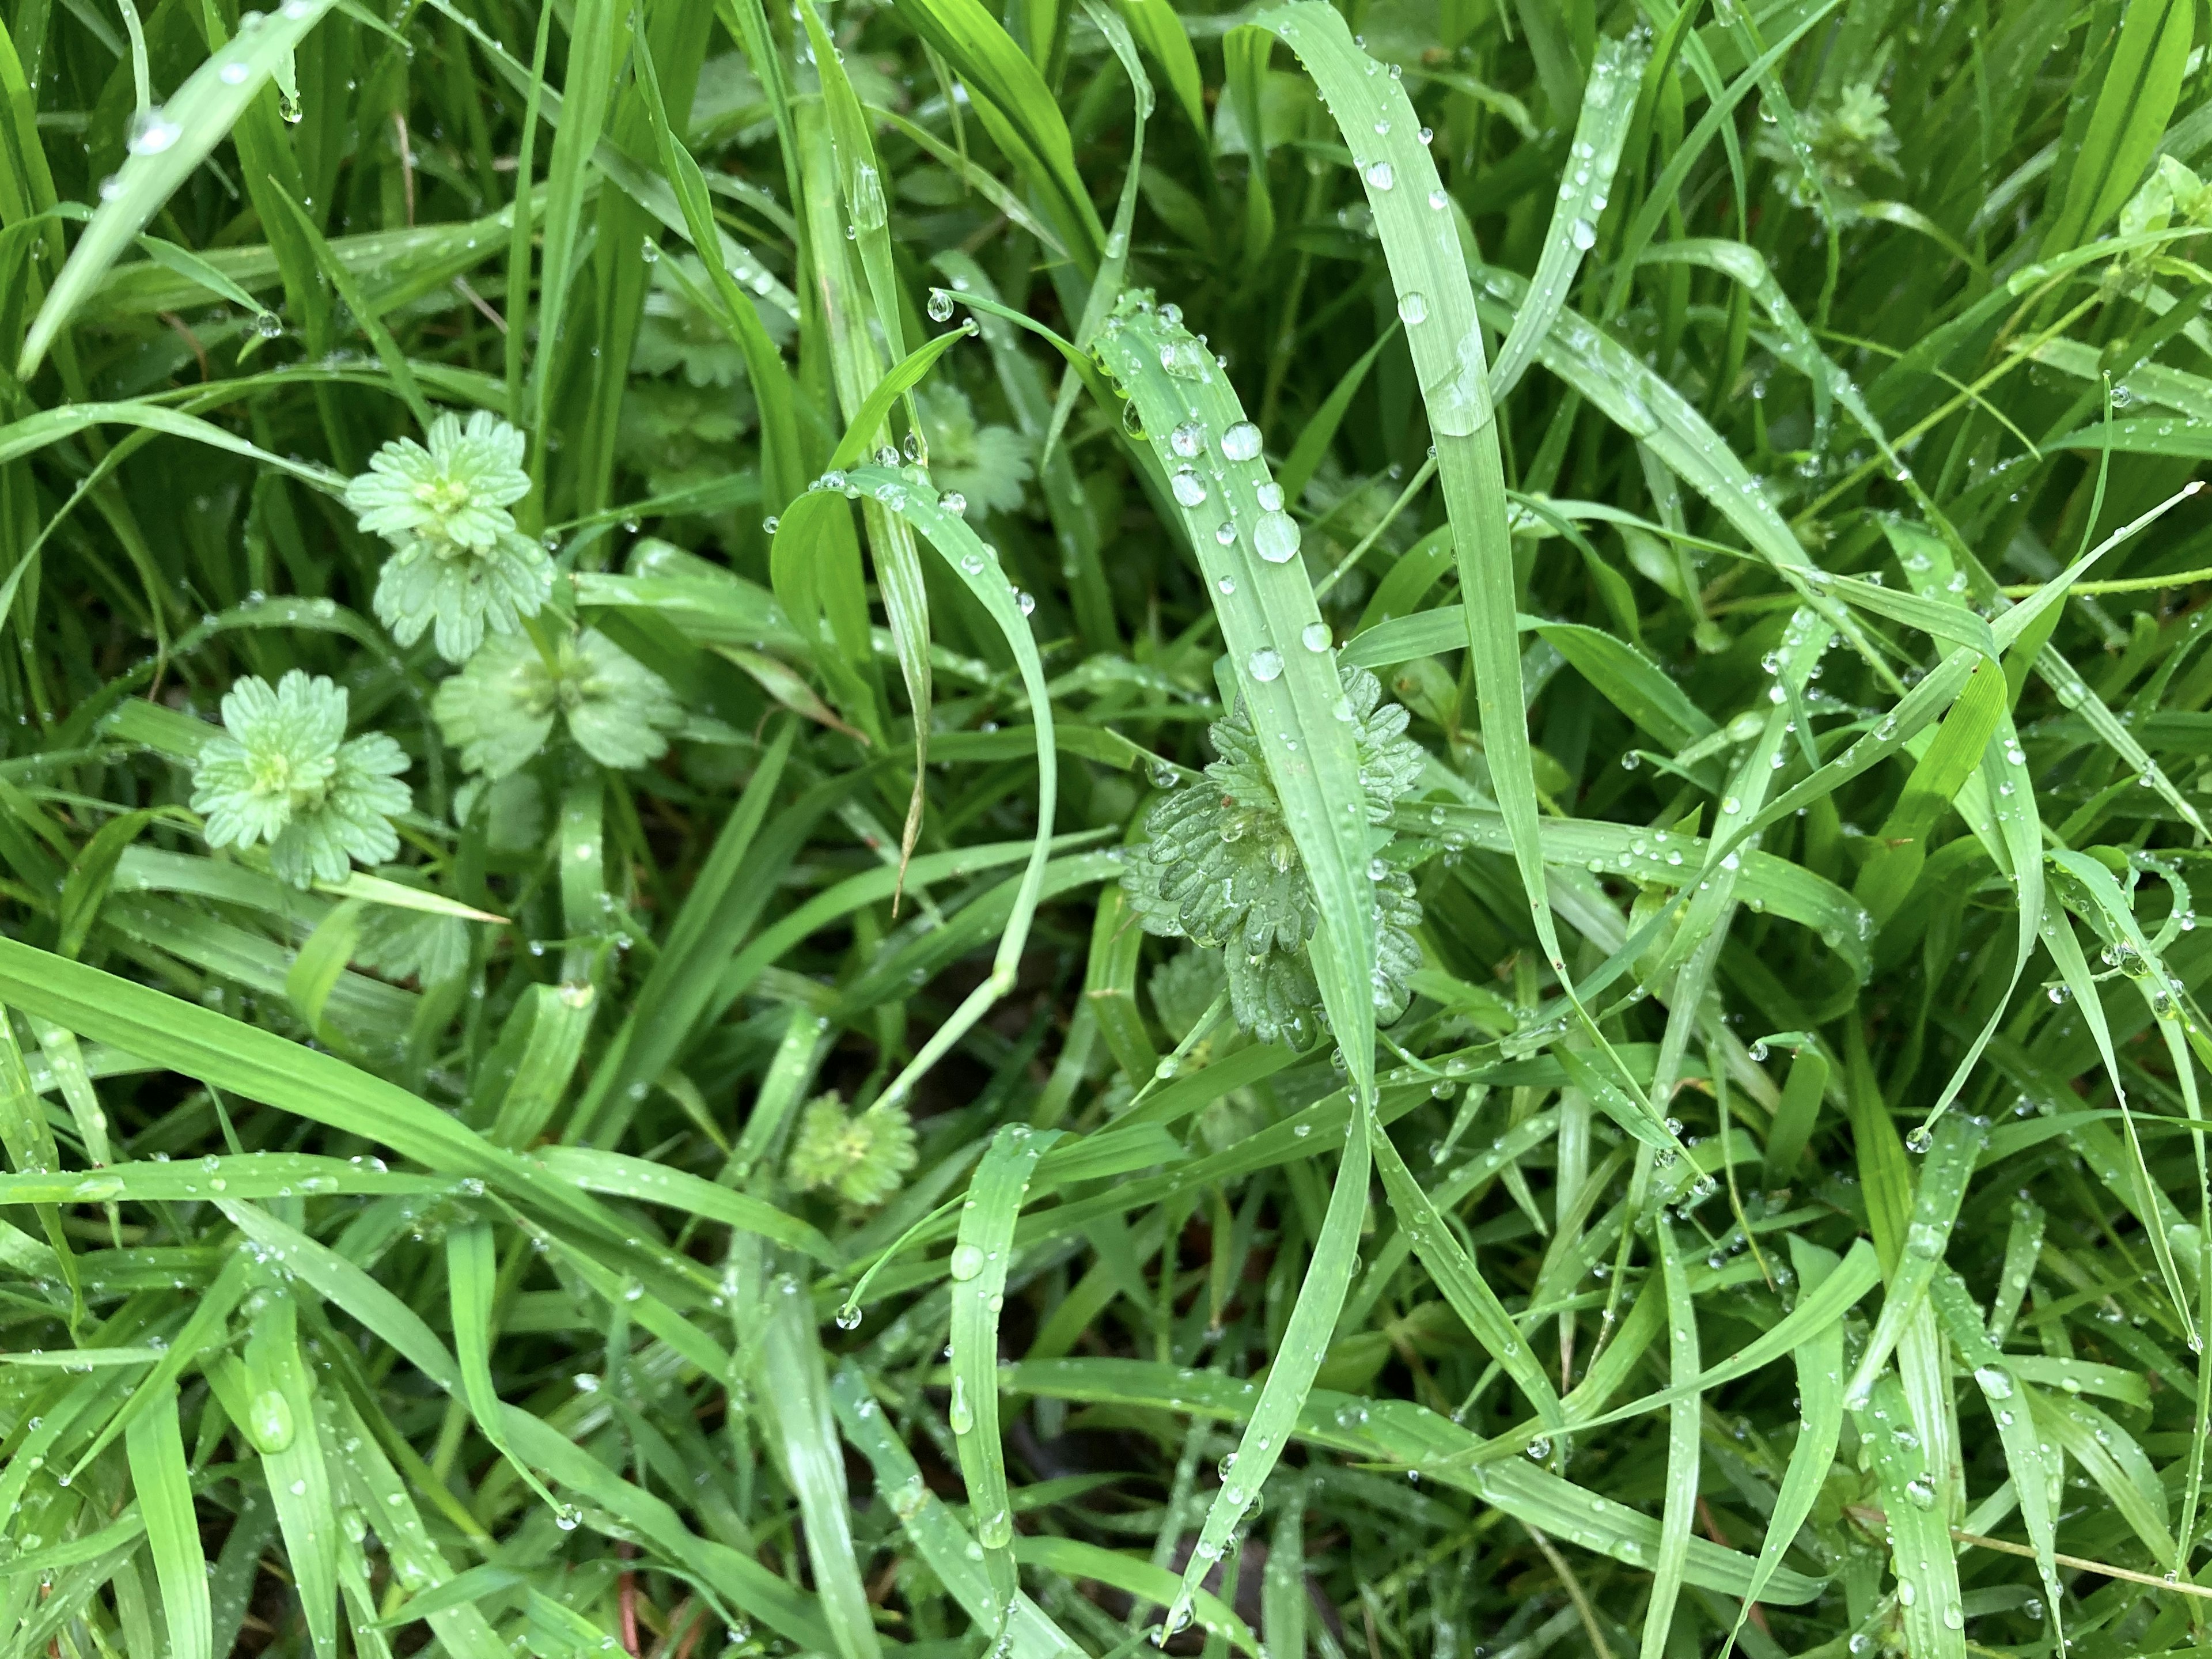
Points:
(979, 1263)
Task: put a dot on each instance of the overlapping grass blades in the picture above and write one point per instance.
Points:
(1753, 449)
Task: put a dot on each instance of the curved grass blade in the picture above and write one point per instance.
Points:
(280, 1423)
(156, 1448)
(797, 1395)
(1948, 1163)
(1820, 1364)
(1609, 103)
(978, 1266)
(1420, 239)
(944, 1544)
(1922, 1558)
(171, 142)
(910, 497)
(1462, 1284)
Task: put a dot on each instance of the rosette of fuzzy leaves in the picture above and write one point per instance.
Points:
(1221, 869)
(283, 772)
(459, 563)
(500, 710)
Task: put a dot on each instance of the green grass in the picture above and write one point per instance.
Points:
(1670, 1122)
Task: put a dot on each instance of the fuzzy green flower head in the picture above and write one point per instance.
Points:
(1844, 140)
(500, 710)
(862, 1159)
(1221, 868)
(458, 490)
(284, 773)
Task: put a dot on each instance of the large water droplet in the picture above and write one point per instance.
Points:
(967, 1261)
(1189, 488)
(1276, 540)
(152, 132)
(941, 305)
(1582, 234)
(1413, 307)
(269, 1421)
(1187, 440)
(1240, 443)
(1270, 496)
(1379, 175)
(1265, 665)
(1317, 636)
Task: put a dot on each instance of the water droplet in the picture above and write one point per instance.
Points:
(954, 502)
(1412, 308)
(1270, 496)
(1379, 175)
(1276, 540)
(1265, 665)
(941, 305)
(1240, 443)
(967, 1261)
(152, 132)
(269, 1421)
(1582, 234)
(1187, 440)
(1189, 488)
(1317, 636)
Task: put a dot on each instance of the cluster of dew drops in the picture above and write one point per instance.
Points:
(910, 462)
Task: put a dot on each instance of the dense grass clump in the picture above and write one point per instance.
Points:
(856, 830)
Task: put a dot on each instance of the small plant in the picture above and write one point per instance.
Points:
(862, 1159)
(1846, 140)
(459, 566)
(500, 708)
(1221, 869)
(284, 773)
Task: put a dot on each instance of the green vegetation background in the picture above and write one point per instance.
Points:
(1460, 922)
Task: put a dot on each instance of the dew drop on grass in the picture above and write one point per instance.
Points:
(1380, 175)
(954, 502)
(1413, 307)
(1225, 533)
(941, 305)
(268, 1420)
(1187, 440)
(1270, 496)
(1276, 540)
(152, 132)
(967, 1261)
(1240, 443)
(1317, 636)
(1189, 488)
(1265, 665)
(1582, 234)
